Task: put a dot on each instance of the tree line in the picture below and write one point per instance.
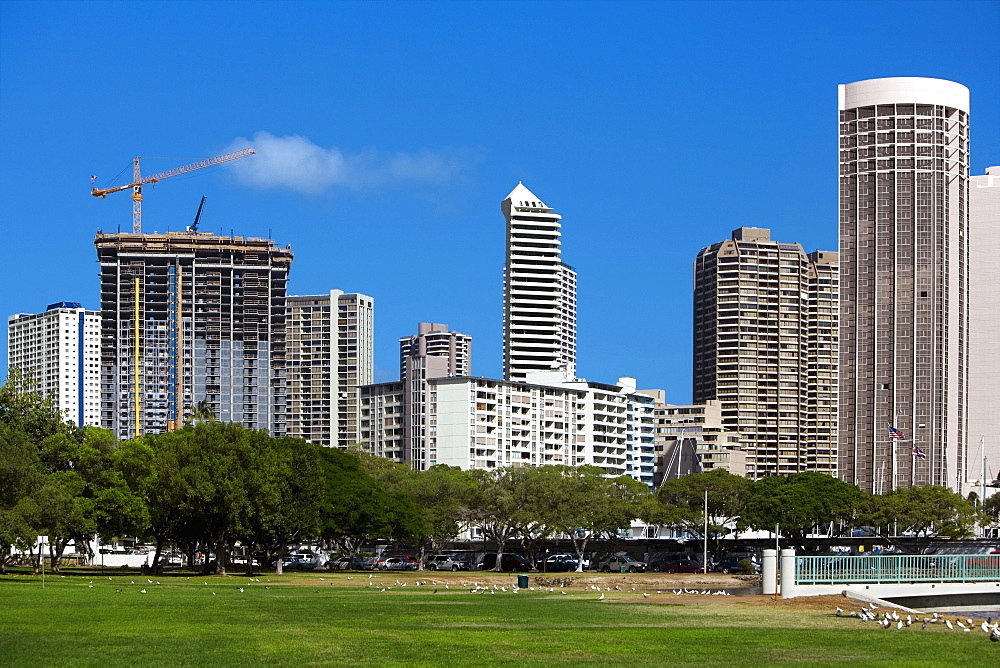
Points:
(212, 486)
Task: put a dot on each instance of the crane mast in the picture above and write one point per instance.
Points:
(138, 181)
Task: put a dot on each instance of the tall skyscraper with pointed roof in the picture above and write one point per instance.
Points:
(539, 314)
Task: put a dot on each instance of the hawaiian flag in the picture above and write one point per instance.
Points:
(895, 433)
(918, 453)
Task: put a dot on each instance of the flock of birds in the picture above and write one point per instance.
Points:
(476, 588)
(494, 589)
(885, 619)
(120, 590)
(891, 618)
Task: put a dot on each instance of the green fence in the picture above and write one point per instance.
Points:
(879, 569)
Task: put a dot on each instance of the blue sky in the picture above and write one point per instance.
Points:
(390, 132)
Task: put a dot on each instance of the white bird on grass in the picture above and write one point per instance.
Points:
(645, 595)
(840, 612)
(143, 591)
(947, 623)
(601, 598)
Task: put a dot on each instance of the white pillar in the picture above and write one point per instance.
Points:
(769, 572)
(788, 574)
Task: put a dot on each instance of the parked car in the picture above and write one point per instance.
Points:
(558, 563)
(445, 562)
(297, 562)
(682, 565)
(172, 560)
(407, 557)
(397, 564)
(241, 560)
(616, 562)
(734, 564)
(509, 562)
(349, 564)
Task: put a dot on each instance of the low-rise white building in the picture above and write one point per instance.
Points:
(483, 423)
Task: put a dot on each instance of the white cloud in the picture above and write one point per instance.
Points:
(295, 163)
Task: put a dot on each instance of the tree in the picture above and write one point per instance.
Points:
(683, 504)
(925, 512)
(991, 510)
(441, 495)
(356, 507)
(285, 492)
(153, 474)
(201, 413)
(582, 503)
(67, 513)
(78, 468)
(498, 504)
(799, 502)
(23, 408)
(20, 480)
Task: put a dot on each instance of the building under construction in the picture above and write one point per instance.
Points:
(191, 323)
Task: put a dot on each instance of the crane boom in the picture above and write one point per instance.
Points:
(138, 181)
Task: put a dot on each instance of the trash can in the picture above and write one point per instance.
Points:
(522, 581)
(624, 569)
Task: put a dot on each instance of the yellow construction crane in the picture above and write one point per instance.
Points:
(138, 181)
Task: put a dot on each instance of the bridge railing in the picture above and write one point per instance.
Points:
(882, 569)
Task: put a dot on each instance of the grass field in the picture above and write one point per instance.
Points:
(82, 619)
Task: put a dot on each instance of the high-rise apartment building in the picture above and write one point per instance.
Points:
(984, 325)
(765, 347)
(59, 352)
(189, 320)
(329, 355)
(434, 352)
(436, 349)
(539, 325)
(904, 281)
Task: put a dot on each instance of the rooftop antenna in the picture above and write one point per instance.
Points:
(194, 226)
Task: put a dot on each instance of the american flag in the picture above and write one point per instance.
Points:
(895, 433)
(918, 453)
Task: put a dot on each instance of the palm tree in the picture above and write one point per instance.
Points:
(201, 412)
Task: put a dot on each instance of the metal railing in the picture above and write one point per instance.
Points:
(879, 569)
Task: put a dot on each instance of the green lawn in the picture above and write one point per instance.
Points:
(301, 619)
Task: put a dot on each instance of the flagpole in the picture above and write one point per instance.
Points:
(895, 465)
